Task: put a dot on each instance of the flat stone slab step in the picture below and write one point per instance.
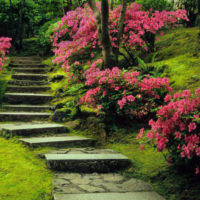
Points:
(30, 108)
(87, 162)
(28, 65)
(27, 98)
(27, 82)
(57, 141)
(31, 77)
(25, 61)
(110, 196)
(27, 89)
(28, 128)
(30, 70)
(27, 58)
(79, 183)
(23, 116)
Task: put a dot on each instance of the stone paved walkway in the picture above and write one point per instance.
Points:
(80, 173)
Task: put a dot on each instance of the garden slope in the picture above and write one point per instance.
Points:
(178, 52)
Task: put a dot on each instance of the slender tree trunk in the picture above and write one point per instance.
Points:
(106, 44)
(120, 27)
(12, 21)
(102, 27)
(111, 4)
(97, 15)
(63, 7)
(21, 25)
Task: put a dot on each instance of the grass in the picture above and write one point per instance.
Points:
(22, 175)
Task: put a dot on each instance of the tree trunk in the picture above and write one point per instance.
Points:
(63, 7)
(21, 26)
(111, 4)
(120, 27)
(102, 28)
(97, 15)
(106, 44)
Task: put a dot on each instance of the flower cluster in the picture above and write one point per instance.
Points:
(77, 30)
(123, 92)
(4, 46)
(178, 127)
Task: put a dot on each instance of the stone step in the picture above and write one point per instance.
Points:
(26, 98)
(30, 70)
(57, 141)
(23, 116)
(28, 61)
(28, 65)
(88, 162)
(31, 77)
(26, 129)
(24, 108)
(27, 83)
(27, 58)
(30, 89)
(110, 196)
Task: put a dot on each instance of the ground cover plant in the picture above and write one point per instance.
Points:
(22, 175)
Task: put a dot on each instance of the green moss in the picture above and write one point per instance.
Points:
(183, 71)
(177, 42)
(178, 55)
(22, 175)
(144, 165)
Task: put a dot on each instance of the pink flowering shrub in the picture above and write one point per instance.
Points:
(177, 129)
(77, 32)
(118, 93)
(4, 47)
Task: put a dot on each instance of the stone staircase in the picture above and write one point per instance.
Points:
(81, 173)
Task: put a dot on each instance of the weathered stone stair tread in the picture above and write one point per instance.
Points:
(36, 77)
(27, 94)
(27, 82)
(27, 89)
(29, 65)
(30, 70)
(110, 196)
(29, 128)
(87, 162)
(20, 107)
(57, 141)
(24, 116)
(30, 98)
(26, 58)
(85, 157)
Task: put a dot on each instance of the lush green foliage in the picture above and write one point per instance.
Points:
(155, 4)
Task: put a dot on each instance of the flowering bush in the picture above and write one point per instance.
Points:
(4, 46)
(118, 93)
(77, 33)
(177, 128)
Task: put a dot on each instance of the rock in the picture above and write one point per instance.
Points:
(57, 78)
(91, 189)
(60, 115)
(135, 185)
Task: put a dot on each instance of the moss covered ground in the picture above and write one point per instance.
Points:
(178, 53)
(22, 174)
